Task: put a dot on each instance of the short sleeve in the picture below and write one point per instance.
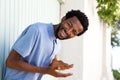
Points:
(26, 41)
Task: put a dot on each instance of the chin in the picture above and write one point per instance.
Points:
(60, 38)
(63, 38)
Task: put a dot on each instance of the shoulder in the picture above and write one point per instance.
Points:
(35, 27)
(39, 25)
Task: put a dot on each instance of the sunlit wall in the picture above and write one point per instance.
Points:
(90, 53)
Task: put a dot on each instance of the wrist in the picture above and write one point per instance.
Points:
(43, 70)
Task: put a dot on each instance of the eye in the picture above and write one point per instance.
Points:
(69, 23)
(66, 29)
(74, 32)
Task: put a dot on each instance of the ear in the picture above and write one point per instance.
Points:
(63, 19)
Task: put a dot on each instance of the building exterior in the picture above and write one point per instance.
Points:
(90, 53)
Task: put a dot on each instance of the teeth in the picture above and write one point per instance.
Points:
(62, 33)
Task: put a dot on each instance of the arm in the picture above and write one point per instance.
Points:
(14, 61)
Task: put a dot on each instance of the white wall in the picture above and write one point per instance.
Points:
(15, 15)
(72, 51)
(90, 52)
(97, 47)
(93, 44)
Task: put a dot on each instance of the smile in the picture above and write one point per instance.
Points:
(62, 34)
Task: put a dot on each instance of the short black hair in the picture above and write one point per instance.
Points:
(81, 17)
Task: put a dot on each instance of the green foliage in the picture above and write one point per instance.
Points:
(109, 12)
(115, 41)
(116, 74)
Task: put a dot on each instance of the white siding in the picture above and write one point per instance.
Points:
(15, 15)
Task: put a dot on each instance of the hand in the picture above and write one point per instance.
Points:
(55, 73)
(60, 65)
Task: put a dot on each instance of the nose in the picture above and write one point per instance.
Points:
(70, 30)
(70, 33)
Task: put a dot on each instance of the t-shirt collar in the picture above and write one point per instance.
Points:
(51, 32)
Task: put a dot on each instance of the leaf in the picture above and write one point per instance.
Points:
(109, 12)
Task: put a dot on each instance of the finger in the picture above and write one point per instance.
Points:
(66, 66)
(70, 66)
(64, 74)
(67, 74)
(58, 68)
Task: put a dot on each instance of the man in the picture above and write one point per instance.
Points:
(34, 52)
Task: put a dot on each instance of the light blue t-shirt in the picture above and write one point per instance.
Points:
(37, 45)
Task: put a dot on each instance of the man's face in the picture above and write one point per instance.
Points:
(69, 28)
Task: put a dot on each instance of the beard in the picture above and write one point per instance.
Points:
(56, 34)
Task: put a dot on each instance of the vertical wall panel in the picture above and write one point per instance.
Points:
(16, 15)
(2, 34)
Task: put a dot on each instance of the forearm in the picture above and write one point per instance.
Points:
(23, 66)
(14, 61)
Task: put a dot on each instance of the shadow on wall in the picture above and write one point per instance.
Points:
(1, 64)
(3, 55)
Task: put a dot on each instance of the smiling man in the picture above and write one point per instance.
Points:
(69, 28)
(34, 52)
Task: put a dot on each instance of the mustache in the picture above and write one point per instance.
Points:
(57, 30)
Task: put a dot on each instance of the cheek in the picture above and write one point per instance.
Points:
(62, 25)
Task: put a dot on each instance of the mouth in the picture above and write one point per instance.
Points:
(62, 34)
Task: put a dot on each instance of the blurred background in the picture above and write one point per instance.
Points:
(95, 54)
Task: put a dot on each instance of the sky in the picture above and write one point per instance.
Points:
(116, 58)
(116, 52)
